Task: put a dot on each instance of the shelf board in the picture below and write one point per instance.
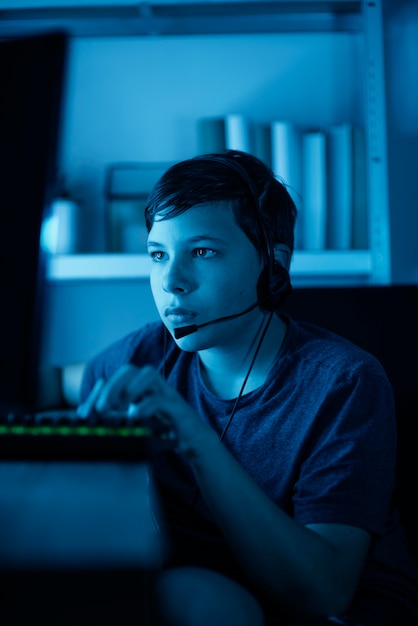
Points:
(136, 266)
(98, 266)
(182, 18)
(332, 263)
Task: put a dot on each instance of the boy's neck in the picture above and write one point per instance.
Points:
(224, 372)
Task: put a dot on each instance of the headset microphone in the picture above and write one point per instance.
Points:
(183, 331)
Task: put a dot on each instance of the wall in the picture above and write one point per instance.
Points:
(83, 317)
(138, 99)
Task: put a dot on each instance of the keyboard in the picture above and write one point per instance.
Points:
(64, 435)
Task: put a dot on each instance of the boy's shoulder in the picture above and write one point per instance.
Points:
(318, 346)
(139, 347)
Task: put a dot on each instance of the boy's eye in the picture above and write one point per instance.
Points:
(203, 253)
(199, 253)
(157, 255)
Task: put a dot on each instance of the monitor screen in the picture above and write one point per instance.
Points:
(32, 72)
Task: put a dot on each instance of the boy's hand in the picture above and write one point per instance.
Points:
(146, 394)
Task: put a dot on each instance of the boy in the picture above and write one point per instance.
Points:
(277, 499)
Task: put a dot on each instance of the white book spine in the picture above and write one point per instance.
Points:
(237, 132)
(286, 164)
(314, 190)
(282, 144)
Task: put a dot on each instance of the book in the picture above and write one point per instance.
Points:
(360, 220)
(339, 158)
(237, 132)
(286, 164)
(261, 143)
(230, 132)
(210, 135)
(314, 185)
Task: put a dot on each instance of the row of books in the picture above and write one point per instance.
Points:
(324, 170)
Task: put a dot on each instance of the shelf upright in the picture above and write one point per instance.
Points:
(377, 175)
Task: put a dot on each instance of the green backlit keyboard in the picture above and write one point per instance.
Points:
(64, 435)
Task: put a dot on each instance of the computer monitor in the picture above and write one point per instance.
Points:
(32, 81)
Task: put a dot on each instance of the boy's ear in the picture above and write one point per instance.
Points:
(282, 255)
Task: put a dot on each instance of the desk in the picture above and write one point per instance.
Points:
(78, 544)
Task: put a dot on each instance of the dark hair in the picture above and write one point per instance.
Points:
(228, 176)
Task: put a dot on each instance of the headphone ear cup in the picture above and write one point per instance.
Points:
(273, 287)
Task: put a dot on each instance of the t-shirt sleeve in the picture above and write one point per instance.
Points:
(138, 347)
(348, 472)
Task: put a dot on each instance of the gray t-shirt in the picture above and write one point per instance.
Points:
(319, 437)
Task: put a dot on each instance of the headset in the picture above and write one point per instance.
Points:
(274, 283)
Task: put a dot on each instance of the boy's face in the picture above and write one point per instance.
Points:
(204, 267)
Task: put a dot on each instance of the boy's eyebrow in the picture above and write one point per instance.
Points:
(207, 238)
(194, 239)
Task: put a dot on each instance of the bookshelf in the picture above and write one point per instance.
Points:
(164, 18)
(330, 267)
